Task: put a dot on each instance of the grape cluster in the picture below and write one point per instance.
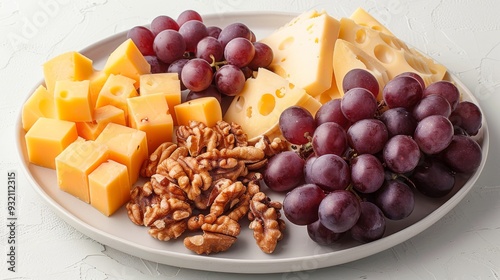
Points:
(210, 61)
(358, 161)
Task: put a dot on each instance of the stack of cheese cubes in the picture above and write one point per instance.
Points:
(97, 127)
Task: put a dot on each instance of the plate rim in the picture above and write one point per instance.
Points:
(253, 266)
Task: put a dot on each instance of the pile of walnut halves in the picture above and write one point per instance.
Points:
(205, 183)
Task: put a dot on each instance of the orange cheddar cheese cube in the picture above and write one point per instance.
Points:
(128, 61)
(39, 104)
(72, 101)
(206, 110)
(75, 163)
(102, 116)
(97, 81)
(116, 91)
(150, 113)
(47, 138)
(165, 83)
(109, 187)
(71, 66)
(127, 146)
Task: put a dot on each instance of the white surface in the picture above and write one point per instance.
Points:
(295, 248)
(462, 35)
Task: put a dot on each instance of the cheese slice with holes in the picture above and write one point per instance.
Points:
(362, 17)
(258, 107)
(347, 56)
(390, 52)
(303, 49)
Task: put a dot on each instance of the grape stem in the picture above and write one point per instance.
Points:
(217, 64)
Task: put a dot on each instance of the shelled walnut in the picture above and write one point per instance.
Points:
(207, 182)
(266, 223)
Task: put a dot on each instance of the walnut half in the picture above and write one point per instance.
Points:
(209, 243)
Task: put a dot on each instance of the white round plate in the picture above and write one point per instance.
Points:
(294, 253)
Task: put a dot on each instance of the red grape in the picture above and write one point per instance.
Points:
(339, 211)
(160, 23)
(169, 46)
(143, 38)
(297, 125)
(197, 74)
(301, 204)
(284, 171)
(360, 78)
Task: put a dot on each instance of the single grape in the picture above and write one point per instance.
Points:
(360, 78)
(143, 38)
(433, 178)
(156, 65)
(433, 134)
(214, 31)
(367, 173)
(331, 112)
(210, 91)
(401, 154)
(396, 199)
(162, 22)
(229, 80)
(403, 91)
(176, 67)
(263, 56)
(415, 76)
(308, 166)
(197, 74)
(188, 15)
(330, 172)
(367, 136)
(169, 46)
(468, 116)
(339, 211)
(209, 49)
(284, 171)
(358, 104)
(431, 105)
(297, 125)
(239, 52)
(193, 31)
(370, 225)
(301, 204)
(463, 155)
(247, 71)
(321, 235)
(329, 138)
(398, 121)
(446, 89)
(234, 30)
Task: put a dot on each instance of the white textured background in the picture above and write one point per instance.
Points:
(462, 34)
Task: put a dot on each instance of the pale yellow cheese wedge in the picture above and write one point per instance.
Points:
(390, 52)
(362, 17)
(109, 187)
(347, 56)
(74, 165)
(39, 104)
(127, 146)
(150, 113)
(258, 107)
(47, 138)
(303, 50)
